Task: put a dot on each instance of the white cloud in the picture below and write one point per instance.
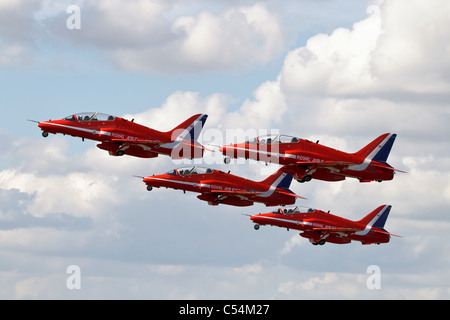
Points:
(265, 111)
(17, 27)
(124, 24)
(138, 37)
(13, 54)
(144, 36)
(182, 105)
(249, 269)
(391, 51)
(336, 63)
(337, 285)
(238, 36)
(78, 194)
(292, 243)
(413, 47)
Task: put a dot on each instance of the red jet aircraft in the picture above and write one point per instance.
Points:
(320, 227)
(219, 187)
(307, 160)
(120, 136)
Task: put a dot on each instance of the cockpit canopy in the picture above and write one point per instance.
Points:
(274, 138)
(292, 210)
(190, 170)
(90, 116)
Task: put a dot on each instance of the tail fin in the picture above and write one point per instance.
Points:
(189, 129)
(377, 218)
(378, 149)
(279, 179)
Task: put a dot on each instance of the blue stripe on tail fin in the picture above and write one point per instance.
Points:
(286, 182)
(386, 146)
(196, 127)
(190, 129)
(379, 223)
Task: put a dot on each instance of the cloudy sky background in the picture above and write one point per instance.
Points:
(340, 71)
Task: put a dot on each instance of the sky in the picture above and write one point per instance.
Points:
(342, 72)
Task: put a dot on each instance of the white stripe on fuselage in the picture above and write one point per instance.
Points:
(194, 184)
(105, 133)
(365, 231)
(296, 222)
(271, 154)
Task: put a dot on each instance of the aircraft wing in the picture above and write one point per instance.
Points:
(345, 164)
(352, 230)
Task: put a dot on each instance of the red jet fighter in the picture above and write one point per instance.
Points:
(120, 136)
(307, 160)
(320, 227)
(219, 187)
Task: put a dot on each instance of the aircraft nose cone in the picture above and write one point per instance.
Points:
(45, 127)
(150, 180)
(147, 180)
(42, 125)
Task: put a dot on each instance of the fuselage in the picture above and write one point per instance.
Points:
(119, 136)
(304, 157)
(317, 225)
(217, 187)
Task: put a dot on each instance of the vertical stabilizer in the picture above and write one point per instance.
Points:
(189, 129)
(377, 218)
(378, 149)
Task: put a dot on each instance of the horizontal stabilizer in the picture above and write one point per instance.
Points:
(388, 167)
(385, 232)
(283, 191)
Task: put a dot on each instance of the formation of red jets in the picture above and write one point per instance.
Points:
(299, 159)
